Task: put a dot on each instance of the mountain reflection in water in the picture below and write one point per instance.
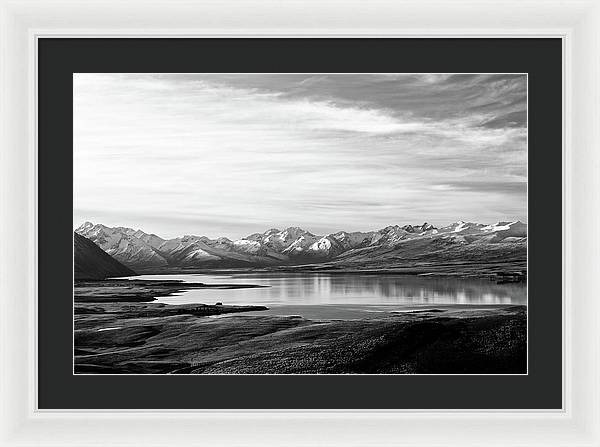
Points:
(355, 289)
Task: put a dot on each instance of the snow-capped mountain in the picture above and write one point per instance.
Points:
(282, 240)
(131, 247)
(418, 228)
(463, 227)
(136, 248)
(352, 240)
(507, 229)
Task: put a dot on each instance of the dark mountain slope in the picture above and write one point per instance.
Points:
(91, 262)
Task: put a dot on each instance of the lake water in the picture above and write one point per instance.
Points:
(328, 294)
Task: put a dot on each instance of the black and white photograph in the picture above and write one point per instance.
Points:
(300, 223)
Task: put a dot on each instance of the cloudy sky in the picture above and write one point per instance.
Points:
(233, 154)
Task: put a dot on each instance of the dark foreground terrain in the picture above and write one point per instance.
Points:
(117, 333)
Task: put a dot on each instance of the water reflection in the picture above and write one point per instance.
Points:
(320, 288)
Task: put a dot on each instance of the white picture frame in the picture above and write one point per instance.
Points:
(577, 23)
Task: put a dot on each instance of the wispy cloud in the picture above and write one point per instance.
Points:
(231, 154)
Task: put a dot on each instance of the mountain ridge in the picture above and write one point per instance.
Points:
(294, 245)
(90, 262)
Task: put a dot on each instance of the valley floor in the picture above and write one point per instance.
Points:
(124, 335)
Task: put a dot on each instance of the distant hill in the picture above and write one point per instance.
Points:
(91, 262)
(394, 245)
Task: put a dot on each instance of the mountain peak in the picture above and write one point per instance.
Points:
(392, 227)
(295, 229)
(418, 228)
(86, 226)
(426, 227)
(271, 231)
(295, 232)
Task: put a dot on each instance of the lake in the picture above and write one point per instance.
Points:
(325, 295)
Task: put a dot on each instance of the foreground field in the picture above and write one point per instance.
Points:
(145, 337)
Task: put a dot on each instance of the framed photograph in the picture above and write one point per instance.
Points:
(230, 154)
(322, 238)
(243, 226)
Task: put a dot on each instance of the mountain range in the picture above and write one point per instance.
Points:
(467, 241)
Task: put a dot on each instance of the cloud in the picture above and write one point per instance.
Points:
(221, 153)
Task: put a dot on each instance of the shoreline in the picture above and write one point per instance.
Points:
(510, 271)
(120, 328)
(139, 290)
